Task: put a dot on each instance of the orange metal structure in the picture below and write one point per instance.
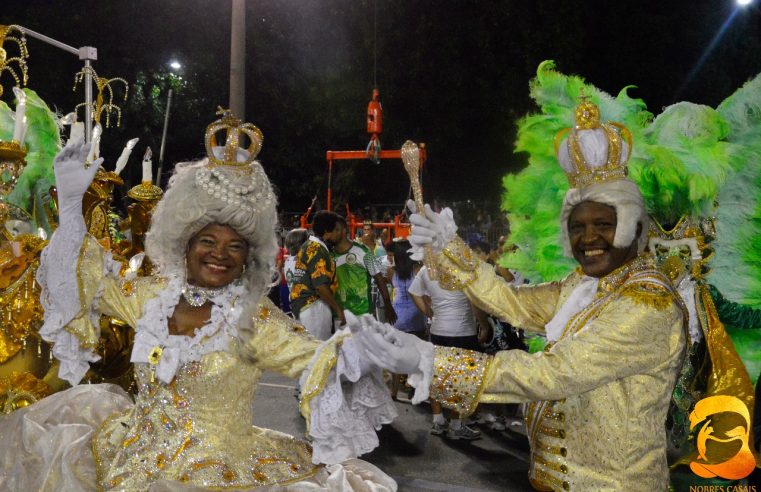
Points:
(374, 153)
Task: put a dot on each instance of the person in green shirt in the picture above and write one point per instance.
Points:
(356, 266)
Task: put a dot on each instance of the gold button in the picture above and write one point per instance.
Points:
(562, 434)
(563, 452)
(563, 468)
(566, 486)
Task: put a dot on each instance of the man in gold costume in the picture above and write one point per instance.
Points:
(599, 394)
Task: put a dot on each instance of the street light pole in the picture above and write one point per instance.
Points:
(88, 54)
(163, 137)
(238, 59)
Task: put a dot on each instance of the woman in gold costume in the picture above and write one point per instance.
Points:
(204, 332)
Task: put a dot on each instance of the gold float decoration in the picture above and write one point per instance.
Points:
(8, 33)
(104, 102)
(12, 163)
(20, 390)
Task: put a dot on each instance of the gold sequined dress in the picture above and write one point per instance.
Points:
(190, 426)
(599, 395)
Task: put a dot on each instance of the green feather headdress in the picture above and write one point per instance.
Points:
(681, 161)
(685, 161)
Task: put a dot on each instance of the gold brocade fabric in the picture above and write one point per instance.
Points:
(197, 429)
(602, 392)
(728, 374)
(119, 299)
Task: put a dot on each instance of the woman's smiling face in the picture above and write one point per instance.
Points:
(216, 256)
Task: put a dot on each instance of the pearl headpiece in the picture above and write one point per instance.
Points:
(232, 175)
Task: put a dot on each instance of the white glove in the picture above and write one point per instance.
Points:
(72, 178)
(386, 346)
(436, 229)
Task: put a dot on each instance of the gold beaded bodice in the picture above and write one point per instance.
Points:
(197, 429)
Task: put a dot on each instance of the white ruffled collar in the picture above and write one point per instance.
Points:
(152, 330)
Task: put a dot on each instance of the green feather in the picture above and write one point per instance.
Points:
(736, 269)
(43, 143)
(533, 197)
(684, 160)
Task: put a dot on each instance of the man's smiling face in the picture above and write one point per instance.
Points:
(591, 229)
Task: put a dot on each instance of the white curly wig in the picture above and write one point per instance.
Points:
(187, 207)
(622, 194)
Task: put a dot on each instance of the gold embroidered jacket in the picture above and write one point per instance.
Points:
(599, 395)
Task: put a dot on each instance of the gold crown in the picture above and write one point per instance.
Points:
(579, 171)
(234, 130)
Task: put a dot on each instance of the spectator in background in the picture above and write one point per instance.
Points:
(409, 318)
(356, 268)
(282, 288)
(369, 239)
(452, 325)
(509, 275)
(315, 277)
(387, 262)
(293, 242)
(384, 239)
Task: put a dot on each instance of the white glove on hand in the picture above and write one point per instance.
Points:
(436, 229)
(385, 346)
(72, 178)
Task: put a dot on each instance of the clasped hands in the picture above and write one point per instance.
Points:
(383, 345)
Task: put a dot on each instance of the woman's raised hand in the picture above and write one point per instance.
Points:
(73, 175)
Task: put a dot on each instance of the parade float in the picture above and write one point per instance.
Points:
(30, 137)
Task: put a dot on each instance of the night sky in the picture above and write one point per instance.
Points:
(453, 74)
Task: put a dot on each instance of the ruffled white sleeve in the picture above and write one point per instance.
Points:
(345, 402)
(70, 273)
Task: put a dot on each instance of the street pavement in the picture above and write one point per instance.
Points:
(417, 460)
